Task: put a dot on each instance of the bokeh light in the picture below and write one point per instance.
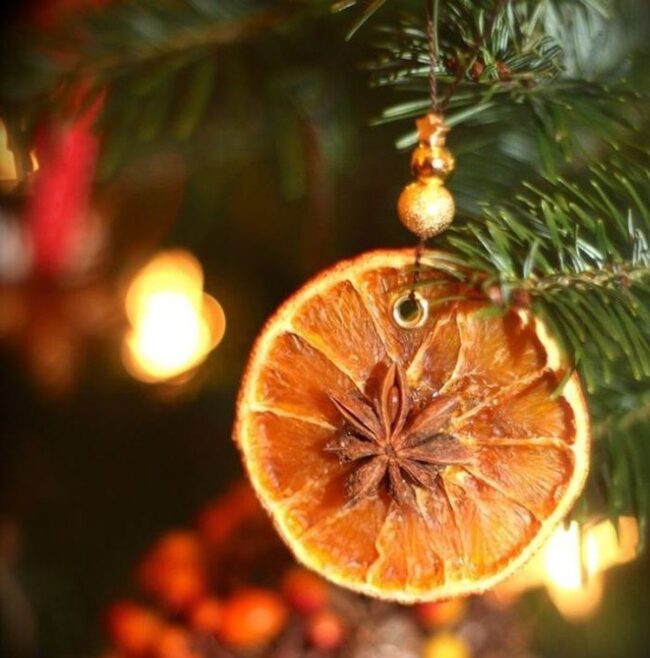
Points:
(572, 563)
(174, 324)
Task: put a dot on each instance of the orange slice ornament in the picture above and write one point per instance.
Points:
(409, 463)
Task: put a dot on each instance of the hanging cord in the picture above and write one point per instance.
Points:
(419, 250)
(432, 8)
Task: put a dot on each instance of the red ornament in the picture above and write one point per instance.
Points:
(57, 210)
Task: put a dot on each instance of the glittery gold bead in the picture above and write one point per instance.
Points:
(430, 160)
(426, 207)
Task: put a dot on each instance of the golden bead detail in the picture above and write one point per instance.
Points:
(426, 206)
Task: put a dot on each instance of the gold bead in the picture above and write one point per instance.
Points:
(426, 207)
(432, 129)
(430, 160)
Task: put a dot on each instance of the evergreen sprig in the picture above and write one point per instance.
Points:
(502, 56)
(155, 63)
(618, 481)
(577, 254)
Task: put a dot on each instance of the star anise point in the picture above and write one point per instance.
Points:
(392, 443)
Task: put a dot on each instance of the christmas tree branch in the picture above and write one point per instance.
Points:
(633, 411)
(517, 67)
(617, 483)
(143, 57)
(578, 254)
(617, 275)
(212, 34)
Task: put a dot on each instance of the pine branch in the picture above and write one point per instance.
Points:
(620, 471)
(370, 8)
(517, 56)
(578, 255)
(626, 411)
(155, 63)
(109, 42)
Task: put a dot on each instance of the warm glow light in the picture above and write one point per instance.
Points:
(8, 173)
(579, 602)
(562, 560)
(570, 562)
(571, 565)
(174, 325)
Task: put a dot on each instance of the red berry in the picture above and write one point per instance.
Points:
(207, 615)
(325, 630)
(180, 587)
(173, 571)
(174, 642)
(218, 520)
(252, 618)
(440, 613)
(304, 590)
(132, 628)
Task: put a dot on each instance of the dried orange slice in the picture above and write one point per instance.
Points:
(409, 463)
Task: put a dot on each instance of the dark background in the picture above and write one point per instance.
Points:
(265, 195)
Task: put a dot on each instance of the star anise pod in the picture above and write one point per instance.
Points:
(391, 443)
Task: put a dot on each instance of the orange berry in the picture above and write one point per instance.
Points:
(174, 642)
(304, 590)
(180, 587)
(132, 628)
(440, 613)
(325, 630)
(215, 523)
(252, 618)
(446, 645)
(219, 519)
(207, 615)
(180, 547)
(173, 570)
(177, 549)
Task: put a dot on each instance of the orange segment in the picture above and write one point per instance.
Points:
(355, 347)
(437, 356)
(409, 464)
(493, 527)
(531, 412)
(416, 567)
(289, 453)
(342, 545)
(298, 379)
(541, 471)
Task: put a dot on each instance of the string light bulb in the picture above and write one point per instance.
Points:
(173, 323)
(572, 564)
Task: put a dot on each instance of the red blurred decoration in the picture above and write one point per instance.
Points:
(174, 571)
(305, 591)
(207, 615)
(249, 599)
(134, 629)
(252, 618)
(325, 630)
(218, 520)
(57, 213)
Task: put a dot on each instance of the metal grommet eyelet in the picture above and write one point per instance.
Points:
(410, 310)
